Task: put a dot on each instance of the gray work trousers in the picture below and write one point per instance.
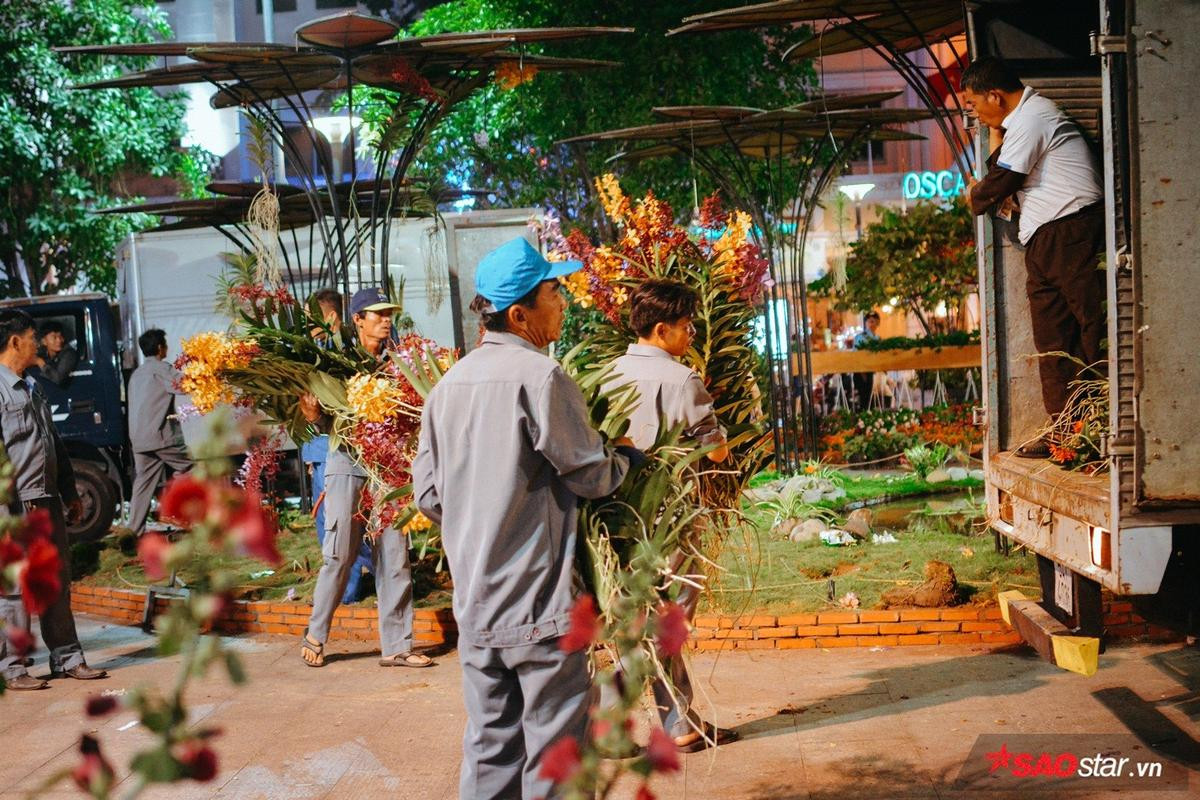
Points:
(393, 578)
(675, 710)
(520, 701)
(148, 469)
(57, 622)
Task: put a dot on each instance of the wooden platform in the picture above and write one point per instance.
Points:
(1073, 494)
(825, 362)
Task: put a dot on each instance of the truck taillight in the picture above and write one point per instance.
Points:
(1004, 501)
(1101, 545)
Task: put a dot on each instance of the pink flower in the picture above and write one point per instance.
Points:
(154, 550)
(40, 583)
(672, 629)
(561, 760)
(20, 640)
(661, 752)
(584, 625)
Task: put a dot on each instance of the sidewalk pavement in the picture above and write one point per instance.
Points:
(823, 724)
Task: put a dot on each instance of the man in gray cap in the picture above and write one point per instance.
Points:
(506, 449)
(371, 312)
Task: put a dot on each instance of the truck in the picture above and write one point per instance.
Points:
(1124, 69)
(169, 279)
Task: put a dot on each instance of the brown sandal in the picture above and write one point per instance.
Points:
(316, 648)
(409, 659)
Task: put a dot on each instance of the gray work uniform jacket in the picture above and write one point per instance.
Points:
(506, 449)
(665, 389)
(41, 466)
(152, 392)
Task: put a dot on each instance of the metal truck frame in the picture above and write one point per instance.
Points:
(1133, 529)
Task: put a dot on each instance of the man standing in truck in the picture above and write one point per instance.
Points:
(1045, 161)
(42, 479)
(153, 430)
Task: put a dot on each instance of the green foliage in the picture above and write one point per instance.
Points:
(933, 341)
(504, 140)
(923, 257)
(925, 458)
(66, 153)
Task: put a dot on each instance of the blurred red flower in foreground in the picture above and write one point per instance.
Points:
(672, 629)
(561, 760)
(661, 752)
(252, 526)
(644, 793)
(199, 761)
(185, 501)
(584, 625)
(100, 704)
(40, 583)
(153, 550)
(19, 639)
(37, 525)
(93, 774)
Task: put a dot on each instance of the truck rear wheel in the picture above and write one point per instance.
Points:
(99, 497)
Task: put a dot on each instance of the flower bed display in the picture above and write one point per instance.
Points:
(849, 437)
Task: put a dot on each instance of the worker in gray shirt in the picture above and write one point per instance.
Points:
(506, 448)
(42, 478)
(153, 430)
(660, 314)
(371, 312)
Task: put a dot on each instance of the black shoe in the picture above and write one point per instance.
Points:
(1038, 448)
(81, 673)
(25, 683)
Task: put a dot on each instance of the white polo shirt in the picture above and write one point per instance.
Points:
(1041, 142)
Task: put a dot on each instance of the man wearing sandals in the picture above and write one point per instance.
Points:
(506, 448)
(371, 313)
(660, 315)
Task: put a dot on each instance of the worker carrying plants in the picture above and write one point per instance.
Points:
(660, 314)
(506, 450)
(1045, 161)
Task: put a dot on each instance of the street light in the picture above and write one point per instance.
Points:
(335, 128)
(856, 192)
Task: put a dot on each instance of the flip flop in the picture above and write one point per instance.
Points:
(712, 735)
(316, 648)
(409, 659)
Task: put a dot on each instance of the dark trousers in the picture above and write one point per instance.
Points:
(148, 470)
(1066, 300)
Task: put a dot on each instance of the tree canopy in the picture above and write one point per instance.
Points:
(503, 139)
(66, 153)
(919, 260)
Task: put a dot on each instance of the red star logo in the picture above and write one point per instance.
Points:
(1000, 759)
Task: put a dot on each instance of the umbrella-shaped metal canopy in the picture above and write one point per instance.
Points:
(893, 29)
(274, 84)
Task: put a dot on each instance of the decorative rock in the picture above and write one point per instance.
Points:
(784, 528)
(859, 523)
(977, 474)
(938, 476)
(812, 495)
(802, 534)
(957, 473)
(811, 529)
(837, 493)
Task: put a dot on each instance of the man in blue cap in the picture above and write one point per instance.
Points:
(371, 313)
(506, 450)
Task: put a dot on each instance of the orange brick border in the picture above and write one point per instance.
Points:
(430, 626)
(980, 625)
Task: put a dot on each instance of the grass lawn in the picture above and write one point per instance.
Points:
(765, 572)
(113, 563)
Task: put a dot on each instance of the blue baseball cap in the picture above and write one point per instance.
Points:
(370, 299)
(513, 270)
